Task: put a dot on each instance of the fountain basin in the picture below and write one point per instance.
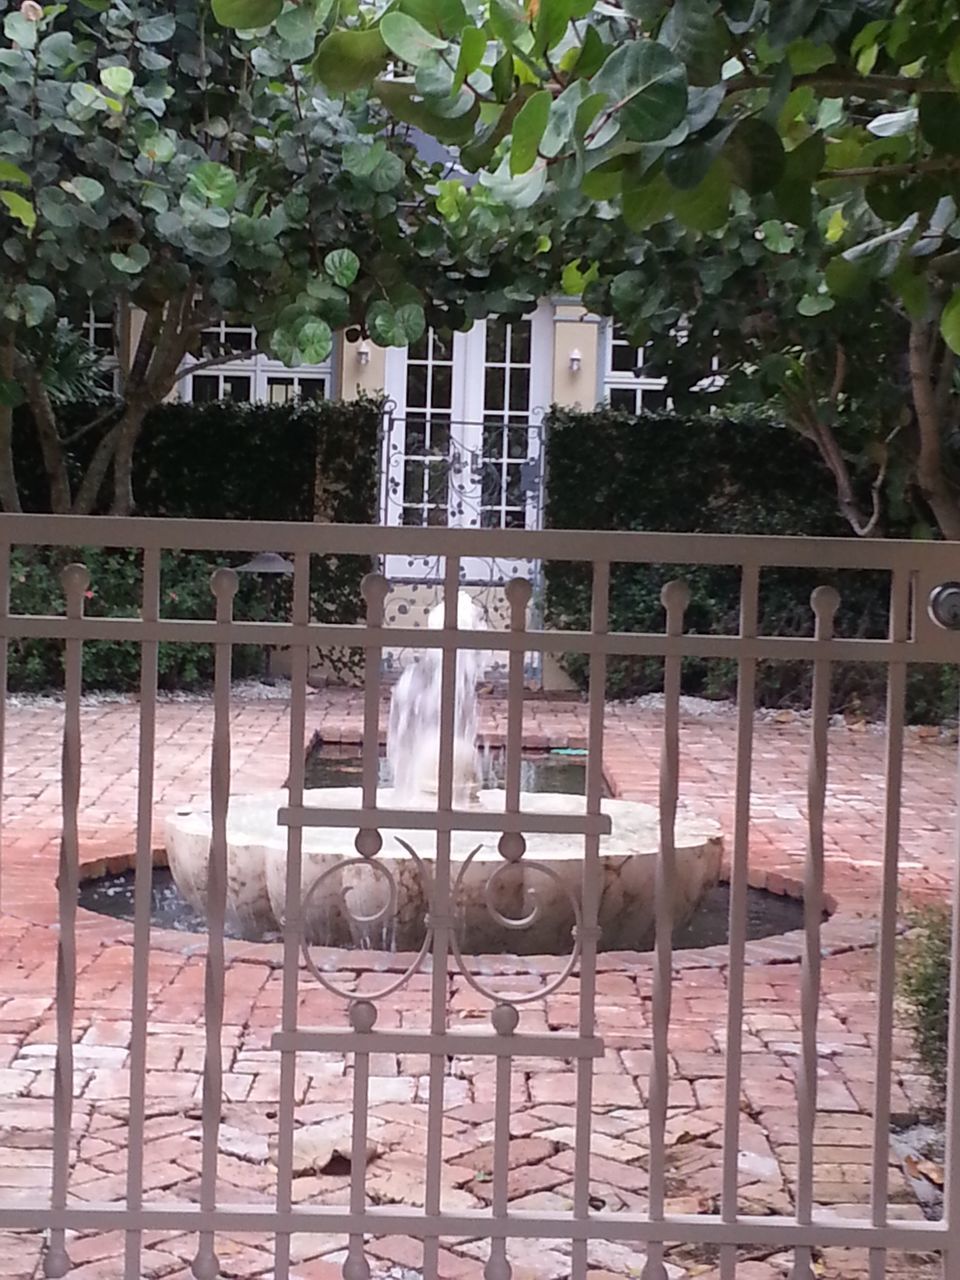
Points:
(383, 904)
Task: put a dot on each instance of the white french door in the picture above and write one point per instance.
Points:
(463, 445)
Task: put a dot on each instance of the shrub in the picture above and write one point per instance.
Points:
(224, 461)
(925, 988)
(665, 473)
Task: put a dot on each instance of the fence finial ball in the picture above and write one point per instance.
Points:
(224, 583)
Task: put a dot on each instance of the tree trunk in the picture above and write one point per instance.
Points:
(9, 492)
(51, 446)
(130, 427)
(934, 485)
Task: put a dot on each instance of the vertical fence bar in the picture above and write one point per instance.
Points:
(505, 1017)
(142, 897)
(363, 1013)
(206, 1265)
(498, 1268)
(825, 601)
(441, 915)
(887, 950)
(4, 615)
(299, 669)
(739, 873)
(951, 1200)
(675, 597)
(590, 908)
(75, 579)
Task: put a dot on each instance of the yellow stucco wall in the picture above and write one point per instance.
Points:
(354, 377)
(575, 332)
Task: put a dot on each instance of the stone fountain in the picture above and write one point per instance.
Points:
(528, 907)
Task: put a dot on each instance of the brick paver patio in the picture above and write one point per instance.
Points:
(542, 1155)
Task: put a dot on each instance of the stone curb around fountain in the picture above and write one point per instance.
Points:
(841, 932)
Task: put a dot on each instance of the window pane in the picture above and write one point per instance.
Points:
(515, 519)
(520, 342)
(280, 390)
(417, 386)
(496, 341)
(437, 482)
(492, 439)
(519, 389)
(440, 435)
(623, 398)
(416, 435)
(236, 386)
(239, 339)
(492, 486)
(653, 398)
(413, 482)
(515, 495)
(623, 358)
(418, 350)
(442, 386)
(205, 388)
(413, 515)
(442, 345)
(437, 515)
(313, 388)
(494, 389)
(517, 447)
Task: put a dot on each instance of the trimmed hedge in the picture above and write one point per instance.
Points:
(217, 461)
(663, 472)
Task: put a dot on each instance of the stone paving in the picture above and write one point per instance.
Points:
(542, 1153)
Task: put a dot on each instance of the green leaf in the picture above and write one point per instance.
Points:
(118, 80)
(756, 155)
(88, 190)
(342, 266)
(443, 17)
(913, 289)
(648, 85)
(315, 340)
(805, 57)
(502, 77)
(37, 303)
(776, 237)
(939, 119)
(528, 128)
(157, 30)
(246, 15)
(551, 22)
(19, 208)
(814, 304)
(473, 45)
(411, 322)
(159, 148)
(953, 64)
(13, 174)
(214, 182)
(950, 323)
(646, 202)
(133, 261)
(297, 28)
(19, 30)
(846, 279)
(574, 281)
(401, 101)
(707, 206)
(405, 37)
(348, 60)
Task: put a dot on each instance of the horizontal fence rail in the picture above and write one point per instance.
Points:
(917, 634)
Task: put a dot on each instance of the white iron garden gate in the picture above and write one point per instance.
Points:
(510, 1031)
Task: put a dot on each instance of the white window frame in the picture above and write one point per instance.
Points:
(620, 380)
(261, 369)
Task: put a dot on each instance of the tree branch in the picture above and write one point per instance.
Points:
(931, 479)
(9, 492)
(48, 437)
(840, 83)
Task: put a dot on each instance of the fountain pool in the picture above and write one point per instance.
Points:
(529, 905)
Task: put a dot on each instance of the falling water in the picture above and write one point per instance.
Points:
(413, 737)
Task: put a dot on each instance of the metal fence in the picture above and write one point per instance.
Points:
(916, 573)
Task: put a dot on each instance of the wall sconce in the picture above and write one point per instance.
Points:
(363, 351)
(576, 359)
